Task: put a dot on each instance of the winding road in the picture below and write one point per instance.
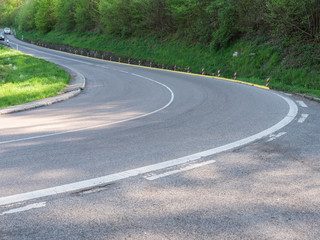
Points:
(144, 153)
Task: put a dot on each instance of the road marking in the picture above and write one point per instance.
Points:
(25, 208)
(293, 111)
(106, 124)
(273, 137)
(302, 104)
(187, 168)
(303, 118)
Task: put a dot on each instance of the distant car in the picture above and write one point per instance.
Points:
(1, 36)
(7, 31)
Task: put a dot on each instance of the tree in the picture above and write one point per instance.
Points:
(127, 17)
(86, 14)
(8, 11)
(191, 19)
(158, 17)
(26, 15)
(295, 19)
(116, 16)
(44, 17)
(65, 14)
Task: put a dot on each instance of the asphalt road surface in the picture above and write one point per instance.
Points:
(150, 154)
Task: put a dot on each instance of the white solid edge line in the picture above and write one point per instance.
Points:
(293, 111)
(96, 126)
(105, 124)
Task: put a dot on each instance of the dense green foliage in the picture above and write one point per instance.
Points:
(285, 32)
(24, 78)
(210, 21)
(257, 58)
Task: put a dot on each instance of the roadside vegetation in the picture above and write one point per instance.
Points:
(276, 38)
(24, 78)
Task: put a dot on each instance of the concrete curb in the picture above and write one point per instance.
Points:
(77, 83)
(308, 97)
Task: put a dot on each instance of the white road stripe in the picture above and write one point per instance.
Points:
(106, 124)
(293, 111)
(23, 209)
(302, 104)
(187, 168)
(303, 118)
(273, 137)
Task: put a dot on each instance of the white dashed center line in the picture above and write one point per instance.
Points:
(25, 208)
(193, 166)
(302, 104)
(275, 136)
(303, 118)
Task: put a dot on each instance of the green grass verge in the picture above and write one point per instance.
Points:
(292, 71)
(24, 78)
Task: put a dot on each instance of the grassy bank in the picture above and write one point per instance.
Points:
(24, 78)
(292, 70)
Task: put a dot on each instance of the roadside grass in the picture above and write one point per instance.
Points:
(257, 58)
(24, 78)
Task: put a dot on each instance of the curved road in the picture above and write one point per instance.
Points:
(129, 122)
